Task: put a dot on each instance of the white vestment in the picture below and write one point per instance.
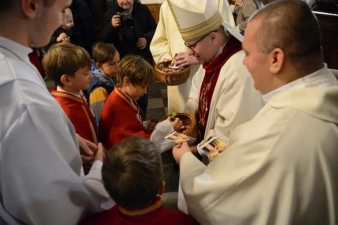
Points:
(281, 168)
(167, 41)
(42, 179)
(234, 100)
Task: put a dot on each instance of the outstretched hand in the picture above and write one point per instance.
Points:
(185, 59)
(177, 123)
(180, 150)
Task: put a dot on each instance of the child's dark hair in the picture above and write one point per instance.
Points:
(64, 58)
(103, 52)
(132, 172)
(137, 69)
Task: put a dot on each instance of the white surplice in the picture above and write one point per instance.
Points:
(42, 179)
(167, 41)
(281, 168)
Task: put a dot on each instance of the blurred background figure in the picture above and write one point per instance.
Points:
(243, 10)
(83, 32)
(129, 25)
(328, 6)
(62, 33)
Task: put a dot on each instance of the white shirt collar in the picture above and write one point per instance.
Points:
(58, 88)
(318, 78)
(15, 48)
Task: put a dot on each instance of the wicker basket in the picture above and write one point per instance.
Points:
(171, 79)
(189, 121)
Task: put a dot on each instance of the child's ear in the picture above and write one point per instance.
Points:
(98, 65)
(162, 188)
(65, 80)
(126, 81)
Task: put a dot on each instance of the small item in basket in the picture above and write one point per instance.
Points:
(211, 147)
(173, 65)
(178, 138)
(173, 116)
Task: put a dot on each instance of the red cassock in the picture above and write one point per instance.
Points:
(154, 214)
(120, 118)
(78, 113)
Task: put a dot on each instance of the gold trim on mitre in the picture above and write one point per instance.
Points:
(197, 31)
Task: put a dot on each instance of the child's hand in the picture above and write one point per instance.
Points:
(177, 123)
(100, 154)
(62, 37)
(151, 125)
(66, 40)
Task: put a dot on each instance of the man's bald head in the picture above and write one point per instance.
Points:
(291, 26)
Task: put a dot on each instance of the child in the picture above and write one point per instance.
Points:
(69, 67)
(104, 67)
(132, 175)
(60, 35)
(121, 116)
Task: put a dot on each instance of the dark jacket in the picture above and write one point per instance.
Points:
(125, 39)
(83, 32)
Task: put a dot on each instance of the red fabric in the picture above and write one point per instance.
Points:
(34, 58)
(120, 119)
(212, 71)
(78, 113)
(158, 216)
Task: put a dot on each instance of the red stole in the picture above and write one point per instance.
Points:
(35, 58)
(210, 79)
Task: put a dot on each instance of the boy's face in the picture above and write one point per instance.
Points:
(136, 91)
(81, 79)
(110, 68)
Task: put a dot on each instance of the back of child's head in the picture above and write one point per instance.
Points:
(103, 52)
(132, 172)
(137, 69)
(64, 59)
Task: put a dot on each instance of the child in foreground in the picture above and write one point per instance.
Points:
(132, 175)
(121, 116)
(69, 67)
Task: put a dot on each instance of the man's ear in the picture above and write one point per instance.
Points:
(31, 7)
(277, 60)
(65, 80)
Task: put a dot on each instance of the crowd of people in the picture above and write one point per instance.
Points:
(82, 152)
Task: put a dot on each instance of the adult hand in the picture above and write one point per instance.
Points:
(185, 59)
(177, 123)
(180, 150)
(116, 20)
(141, 43)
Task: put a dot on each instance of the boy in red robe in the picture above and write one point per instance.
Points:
(132, 175)
(69, 67)
(121, 116)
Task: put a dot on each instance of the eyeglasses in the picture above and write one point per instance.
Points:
(192, 46)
